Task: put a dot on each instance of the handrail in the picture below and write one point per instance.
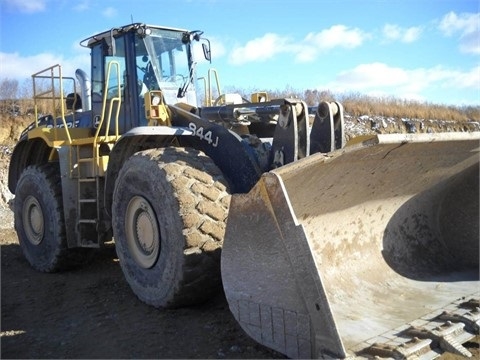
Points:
(115, 99)
(55, 93)
(206, 101)
(112, 65)
(208, 86)
(217, 81)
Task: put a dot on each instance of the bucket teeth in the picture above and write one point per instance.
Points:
(427, 337)
(470, 319)
(412, 350)
(449, 337)
(472, 304)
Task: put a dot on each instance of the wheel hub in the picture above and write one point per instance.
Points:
(33, 220)
(143, 236)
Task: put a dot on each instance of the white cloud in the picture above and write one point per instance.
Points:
(336, 36)
(464, 79)
(259, 49)
(16, 66)
(19, 67)
(393, 32)
(306, 53)
(109, 12)
(26, 6)
(452, 23)
(307, 50)
(411, 34)
(375, 78)
(373, 75)
(466, 26)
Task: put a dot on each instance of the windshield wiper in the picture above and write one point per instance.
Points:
(183, 90)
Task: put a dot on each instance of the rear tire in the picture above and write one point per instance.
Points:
(39, 222)
(169, 212)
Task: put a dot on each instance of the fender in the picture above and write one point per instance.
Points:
(26, 152)
(29, 151)
(224, 147)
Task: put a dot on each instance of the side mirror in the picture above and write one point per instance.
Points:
(207, 52)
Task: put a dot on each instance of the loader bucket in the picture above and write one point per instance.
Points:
(372, 250)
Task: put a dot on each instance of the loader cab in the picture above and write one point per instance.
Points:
(129, 62)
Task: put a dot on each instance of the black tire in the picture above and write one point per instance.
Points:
(169, 211)
(39, 221)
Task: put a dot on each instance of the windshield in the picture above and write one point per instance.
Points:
(162, 60)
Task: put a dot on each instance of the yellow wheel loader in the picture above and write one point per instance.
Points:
(325, 249)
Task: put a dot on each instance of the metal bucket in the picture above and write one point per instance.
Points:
(360, 252)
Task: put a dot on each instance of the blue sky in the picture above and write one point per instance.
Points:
(428, 50)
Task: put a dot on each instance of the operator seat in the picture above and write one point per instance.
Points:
(149, 79)
(77, 117)
(73, 102)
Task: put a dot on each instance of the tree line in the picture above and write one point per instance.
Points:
(17, 99)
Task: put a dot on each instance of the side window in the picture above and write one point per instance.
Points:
(97, 73)
(116, 75)
(100, 74)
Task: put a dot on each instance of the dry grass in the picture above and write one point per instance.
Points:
(357, 104)
(354, 104)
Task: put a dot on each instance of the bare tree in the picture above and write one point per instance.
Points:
(8, 96)
(26, 97)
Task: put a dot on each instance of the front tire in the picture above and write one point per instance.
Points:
(169, 212)
(39, 222)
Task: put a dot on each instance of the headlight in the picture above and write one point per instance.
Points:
(156, 100)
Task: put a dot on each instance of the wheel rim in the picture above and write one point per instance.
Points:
(33, 220)
(143, 236)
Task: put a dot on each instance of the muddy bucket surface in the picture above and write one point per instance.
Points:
(359, 251)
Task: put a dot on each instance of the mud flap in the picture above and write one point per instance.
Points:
(334, 253)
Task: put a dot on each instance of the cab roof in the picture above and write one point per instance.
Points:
(138, 27)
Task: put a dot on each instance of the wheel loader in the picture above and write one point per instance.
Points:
(324, 248)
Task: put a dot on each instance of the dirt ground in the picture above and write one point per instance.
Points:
(92, 313)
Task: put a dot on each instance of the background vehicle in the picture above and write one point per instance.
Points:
(329, 247)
